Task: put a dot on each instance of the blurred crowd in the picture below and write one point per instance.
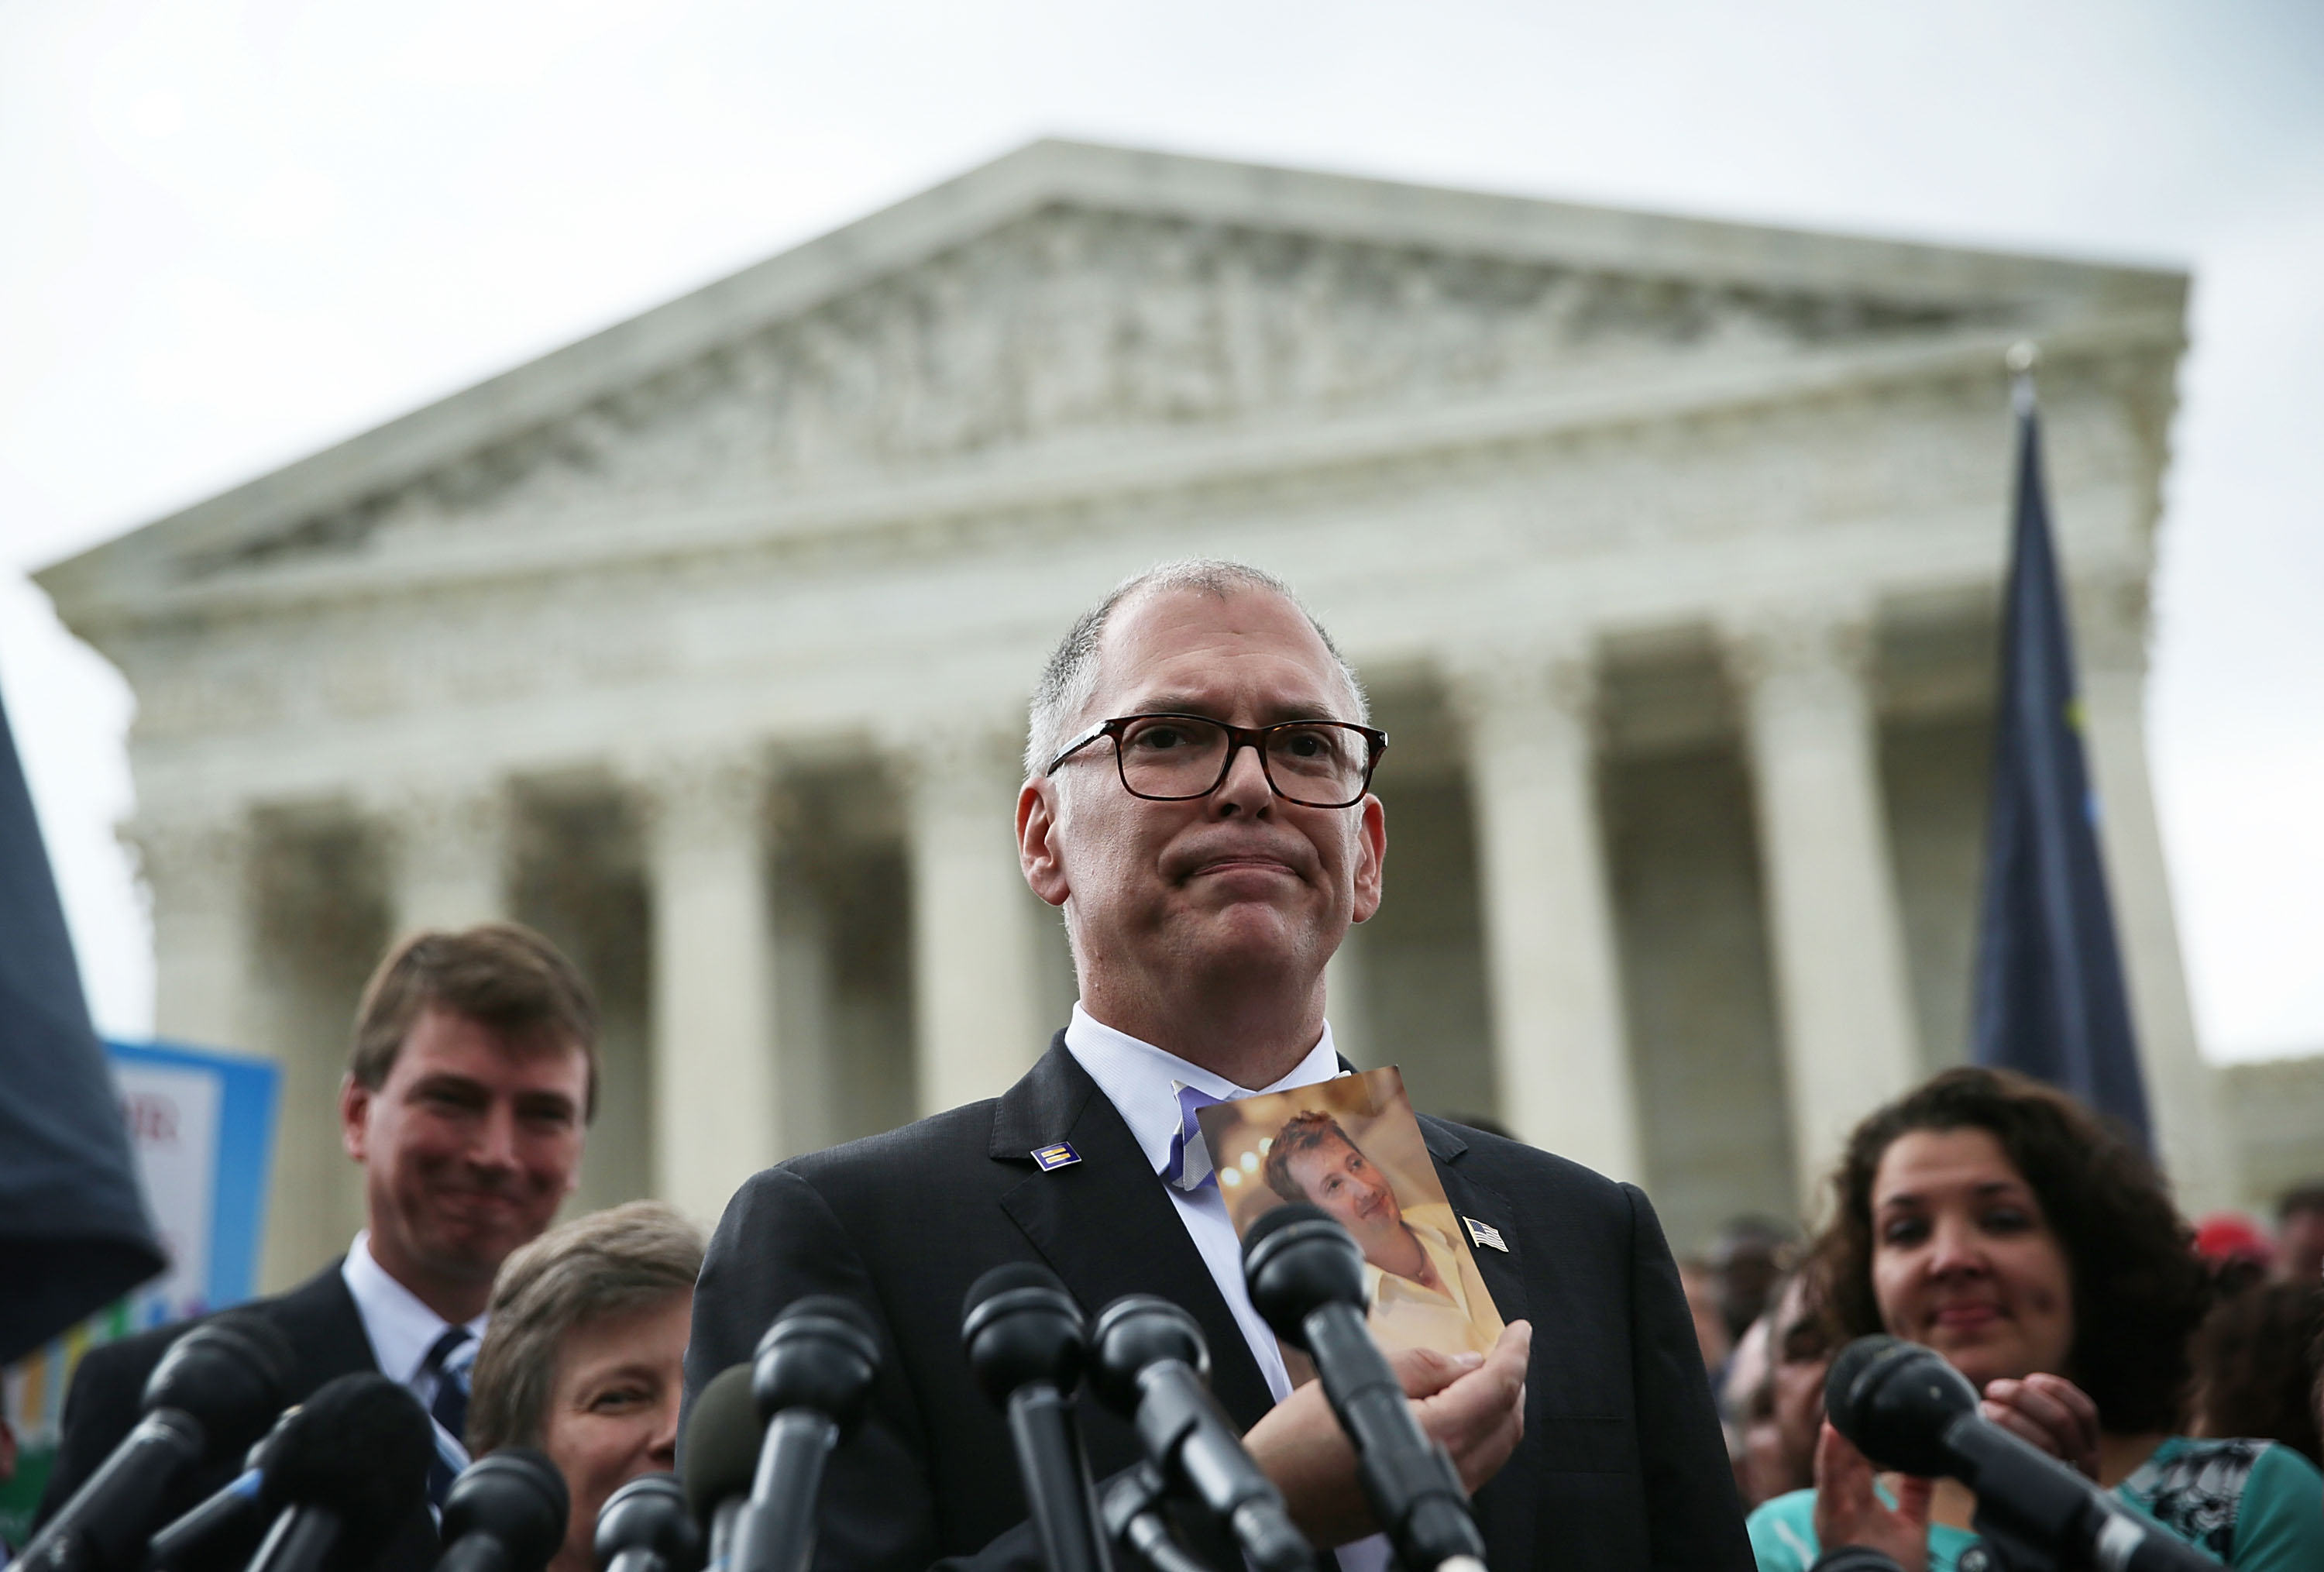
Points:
(2257, 1354)
(1982, 1214)
(2038, 1250)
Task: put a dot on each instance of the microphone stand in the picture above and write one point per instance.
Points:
(2001, 1550)
(1131, 1513)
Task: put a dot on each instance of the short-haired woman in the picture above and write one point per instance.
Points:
(1997, 1222)
(584, 1357)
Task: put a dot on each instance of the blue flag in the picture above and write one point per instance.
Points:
(2049, 997)
(74, 1234)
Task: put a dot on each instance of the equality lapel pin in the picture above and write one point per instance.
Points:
(1485, 1234)
(1053, 1158)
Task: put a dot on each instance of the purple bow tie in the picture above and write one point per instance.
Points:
(1189, 1167)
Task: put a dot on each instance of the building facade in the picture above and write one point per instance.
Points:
(1670, 551)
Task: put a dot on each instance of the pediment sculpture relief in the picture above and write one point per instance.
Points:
(1073, 324)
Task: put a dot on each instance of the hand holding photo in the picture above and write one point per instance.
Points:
(1352, 1146)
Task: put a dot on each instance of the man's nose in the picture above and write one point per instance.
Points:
(663, 1448)
(1245, 789)
(495, 1143)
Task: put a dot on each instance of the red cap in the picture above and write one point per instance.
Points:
(2223, 1236)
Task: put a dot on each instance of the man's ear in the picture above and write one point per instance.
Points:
(580, 1133)
(354, 1112)
(1038, 851)
(1372, 858)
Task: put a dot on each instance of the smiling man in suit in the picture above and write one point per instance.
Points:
(1198, 803)
(472, 1077)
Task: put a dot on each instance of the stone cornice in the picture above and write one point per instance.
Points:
(606, 537)
(1108, 179)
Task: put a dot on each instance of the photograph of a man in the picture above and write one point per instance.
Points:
(1352, 1146)
(1423, 1288)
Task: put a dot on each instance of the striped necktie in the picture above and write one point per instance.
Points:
(449, 1362)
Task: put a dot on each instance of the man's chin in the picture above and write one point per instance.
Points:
(471, 1250)
(1264, 933)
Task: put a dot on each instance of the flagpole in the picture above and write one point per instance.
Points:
(2023, 357)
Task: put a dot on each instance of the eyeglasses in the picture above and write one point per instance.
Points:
(1174, 758)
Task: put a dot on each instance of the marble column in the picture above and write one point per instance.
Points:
(717, 1115)
(1841, 987)
(199, 876)
(449, 856)
(2182, 1091)
(1560, 1054)
(225, 978)
(1346, 1001)
(978, 1022)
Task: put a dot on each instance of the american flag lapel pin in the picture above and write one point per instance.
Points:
(1054, 1157)
(1485, 1234)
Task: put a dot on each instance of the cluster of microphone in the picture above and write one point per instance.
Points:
(326, 1483)
(759, 1433)
(1144, 1359)
(329, 1483)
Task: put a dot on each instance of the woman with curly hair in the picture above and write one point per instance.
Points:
(1999, 1223)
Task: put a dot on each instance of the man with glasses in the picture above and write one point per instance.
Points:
(1198, 804)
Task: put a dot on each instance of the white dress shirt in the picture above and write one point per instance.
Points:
(1142, 1080)
(401, 1329)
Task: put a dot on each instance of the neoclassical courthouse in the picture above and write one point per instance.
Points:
(1669, 550)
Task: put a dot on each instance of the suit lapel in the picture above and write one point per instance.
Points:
(1503, 1271)
(1105, 1224)
(324, 1328)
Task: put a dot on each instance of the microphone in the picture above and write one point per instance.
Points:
(811, 1379)
(1024, 1336)
(1905, 1409)
(213, 1392)
(647, 1526)
(1306, 1278)
(1152, 1368)
(722, 1453)
(506, 1512)
(234, 1507)
(346, 1466)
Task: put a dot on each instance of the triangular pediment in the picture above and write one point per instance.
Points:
(1074, 296)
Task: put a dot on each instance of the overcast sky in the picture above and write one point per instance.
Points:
(232, 233)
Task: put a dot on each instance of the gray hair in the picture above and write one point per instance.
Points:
(611, 1262)
(1069, 681)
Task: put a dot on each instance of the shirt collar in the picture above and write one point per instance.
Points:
(1380, 1285)
(402, 1330)
(1137, 1078)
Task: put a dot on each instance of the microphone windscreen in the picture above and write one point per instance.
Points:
(1008, 1276)
(231, 1372)
(1893, 1400)
(1275, 1219)
(1135, 1331)
(1840, 1383)
(1297, 1259)
(517, 1498)
(360, 1446)
(1018, 1325)
(650, 1513)
(722, 1442)
(831, 1307)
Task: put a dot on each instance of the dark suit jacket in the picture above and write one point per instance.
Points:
(1621, 1466)
(326, 1340)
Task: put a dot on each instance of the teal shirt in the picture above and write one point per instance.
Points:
(2256, 1506)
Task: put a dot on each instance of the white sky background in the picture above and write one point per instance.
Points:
(231, 233)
